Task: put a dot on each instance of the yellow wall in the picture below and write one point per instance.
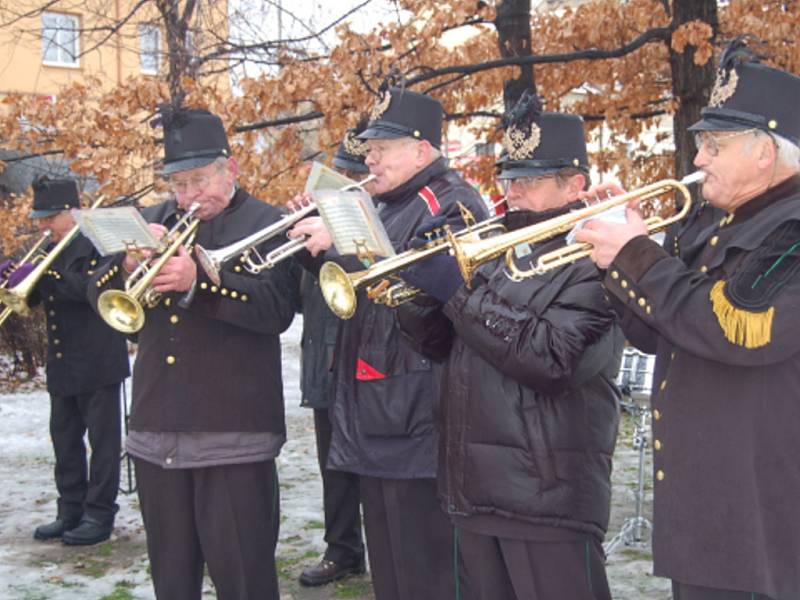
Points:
(21, 52)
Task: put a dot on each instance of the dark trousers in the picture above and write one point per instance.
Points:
(683, 591)
(491, 568)
(340, 500)
(226, 517)
(409, 540)
(92, 493)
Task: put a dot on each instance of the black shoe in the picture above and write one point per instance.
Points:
(55, 529)
(327, 571)
(88, 532)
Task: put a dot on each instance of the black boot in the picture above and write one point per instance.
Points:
(327, 571)
(55, 529)
(89, 531)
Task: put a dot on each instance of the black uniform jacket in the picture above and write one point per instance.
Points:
(385, 391)
(216, 365)
(83, 353)
(529, 405)
(723, 320)
(320, 327)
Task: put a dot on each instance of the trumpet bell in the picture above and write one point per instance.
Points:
(338, 290)
(17, 301)
(210, 263)
(121, 311)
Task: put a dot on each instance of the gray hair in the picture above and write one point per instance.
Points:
(788, 154)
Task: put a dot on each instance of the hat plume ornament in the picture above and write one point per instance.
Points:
(523, 134)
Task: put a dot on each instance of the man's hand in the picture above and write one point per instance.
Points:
(132, 260)
(6, 268)
(178, 274)
(609, 238)
(299, 201)
(318, 239)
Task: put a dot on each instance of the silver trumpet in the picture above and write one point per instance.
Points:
(212, 260)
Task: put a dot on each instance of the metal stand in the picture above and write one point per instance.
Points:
(125, 458)
(631, 530)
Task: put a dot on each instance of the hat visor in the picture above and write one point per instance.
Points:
(41, 213)
(186, 164)
(379, 132)
(517, 172)
(351, 165)
(712, 124)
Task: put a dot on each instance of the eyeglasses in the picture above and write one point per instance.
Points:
(711, 141)
(379, 149)
(523, 183)
(195, 182)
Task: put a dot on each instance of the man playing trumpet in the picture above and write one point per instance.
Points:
(721, 318)
(86, 363)
(207, 418)
(529, 405)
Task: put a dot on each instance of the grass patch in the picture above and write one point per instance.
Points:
(314, 525)
(353, 587)
(120, 592)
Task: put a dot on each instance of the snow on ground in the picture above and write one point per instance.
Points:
(118, 569)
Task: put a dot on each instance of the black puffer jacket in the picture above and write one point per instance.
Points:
(385, 391)
(529, 405)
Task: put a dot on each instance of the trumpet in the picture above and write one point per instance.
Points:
(16, 298)
(34, 255)
(470, 255)
(124, 309)
(212, 260)
(339, 288)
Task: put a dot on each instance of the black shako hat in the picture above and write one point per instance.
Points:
(540, 143)
(51, 196)
(749, 95)
(193, 137)
(400, 113)
(352, 152)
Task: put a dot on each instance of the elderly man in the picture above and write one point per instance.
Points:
(529, 405)
(385, 391)
(207, 418)
(722, 318)
(86, 364)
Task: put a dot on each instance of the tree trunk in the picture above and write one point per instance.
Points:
(513, 23)
(691, 84)
(177, 52)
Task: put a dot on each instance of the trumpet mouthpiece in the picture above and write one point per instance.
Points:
(695, 177)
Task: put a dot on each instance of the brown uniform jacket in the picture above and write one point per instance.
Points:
(723, 320)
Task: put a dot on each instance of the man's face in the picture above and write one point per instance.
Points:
(729, 160)
(540, 193)
(210, 186)
(58, 224)
(393, 162)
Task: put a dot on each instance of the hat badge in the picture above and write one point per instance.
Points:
(520, 146)
(354, 146)
(723, 90)
(381, 106)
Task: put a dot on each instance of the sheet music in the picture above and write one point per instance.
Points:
(322, 177)
(114, 230)
(353, 222)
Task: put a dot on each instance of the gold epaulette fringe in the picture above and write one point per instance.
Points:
(741, 327)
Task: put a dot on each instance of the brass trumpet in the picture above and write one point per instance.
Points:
(16, 298)
(470, 254)
(34, 255)
(212, 260)
(124, 309)
(339, 288)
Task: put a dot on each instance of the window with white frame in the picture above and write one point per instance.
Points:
(60, 39)
(149, 49)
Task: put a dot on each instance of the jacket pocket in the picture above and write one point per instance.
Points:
(394, 394)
